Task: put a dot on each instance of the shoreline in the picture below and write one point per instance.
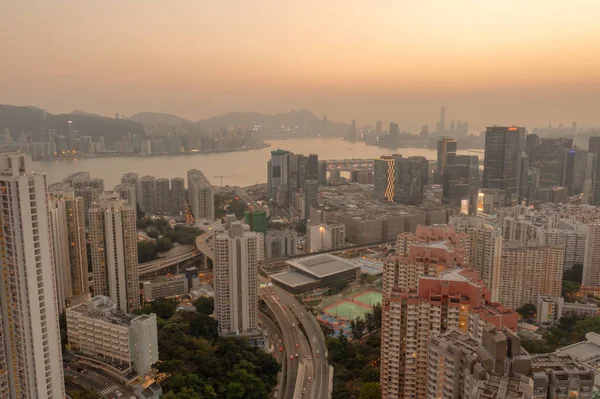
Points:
(137, 155)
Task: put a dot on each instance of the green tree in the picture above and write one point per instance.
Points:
(377, 314)
(146, 251)
(188, 393)
(84, 395)
(163, 244)
(370, 390)
(527, 311)
(357, 326)
(205, 305)
(164, 308)
(569, 288)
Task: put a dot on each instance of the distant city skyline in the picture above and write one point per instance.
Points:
(511, 62)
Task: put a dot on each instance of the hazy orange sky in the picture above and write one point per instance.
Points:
(527, 62)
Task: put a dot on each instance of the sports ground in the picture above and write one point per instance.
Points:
(352, 307)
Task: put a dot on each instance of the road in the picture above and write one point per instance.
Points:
(320, 385)
(274, 336)
(310, 340)
(294, 343)
(93, 379)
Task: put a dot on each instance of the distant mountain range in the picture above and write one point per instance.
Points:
(152, 118)
(34, 120)
(301, 123)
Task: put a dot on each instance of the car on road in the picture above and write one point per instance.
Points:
(296, 356)
(318, 353)
(280, 349)
(303, 391)
(309, 379)
(296, 346)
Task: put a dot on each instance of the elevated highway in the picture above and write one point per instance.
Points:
(164, 263)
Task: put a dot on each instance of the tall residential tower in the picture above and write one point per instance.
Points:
(30, 353)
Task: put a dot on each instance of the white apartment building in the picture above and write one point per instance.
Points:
(133, 179)
(178, 194)
(128, 193)
(520, 229)
(591, 262)
(550, 309)
(280, 243)
(163, 196)
(113, 249)
(124, 341)
(201, 196)
(528, 271)
(236, 280)
(486, 259)
(326, 236)
(69, 244)
(148, 192)
(30, 350)
(165, 287)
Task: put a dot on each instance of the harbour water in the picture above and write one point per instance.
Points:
(242, 168)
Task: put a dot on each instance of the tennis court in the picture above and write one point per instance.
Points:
(347, 310)
(369, 298)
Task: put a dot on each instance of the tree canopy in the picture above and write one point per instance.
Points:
(201, 365)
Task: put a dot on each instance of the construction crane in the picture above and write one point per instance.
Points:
(222, 177)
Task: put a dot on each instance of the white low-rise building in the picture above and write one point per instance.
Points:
(97, 330)
(326, 236)
(550, 309)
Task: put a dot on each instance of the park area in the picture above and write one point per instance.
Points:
(338, 311)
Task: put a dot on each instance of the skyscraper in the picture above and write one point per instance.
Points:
(148, 200)
(236, 280)
(178, 194)
(312, 167)
(532, 142)
(67, 221)
(593, 144)
(353, 133)
(311, 195)
(383, 177)
(461, 182)
(400, 179)
(322, 173)
(201, 194)
(163, 196)
(394, 132)
(113, 249)
(528, 271)
(551, 160)
(277, 175)
(378, 127)
(408, 180)
(127, 192)
(98, 184)
(446, 155)
(441, 125)
(297, 172)
(501, 160)
(133, 178)
(30, 350)
(591, 260)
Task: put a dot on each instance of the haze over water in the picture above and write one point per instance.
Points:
(242, 168)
